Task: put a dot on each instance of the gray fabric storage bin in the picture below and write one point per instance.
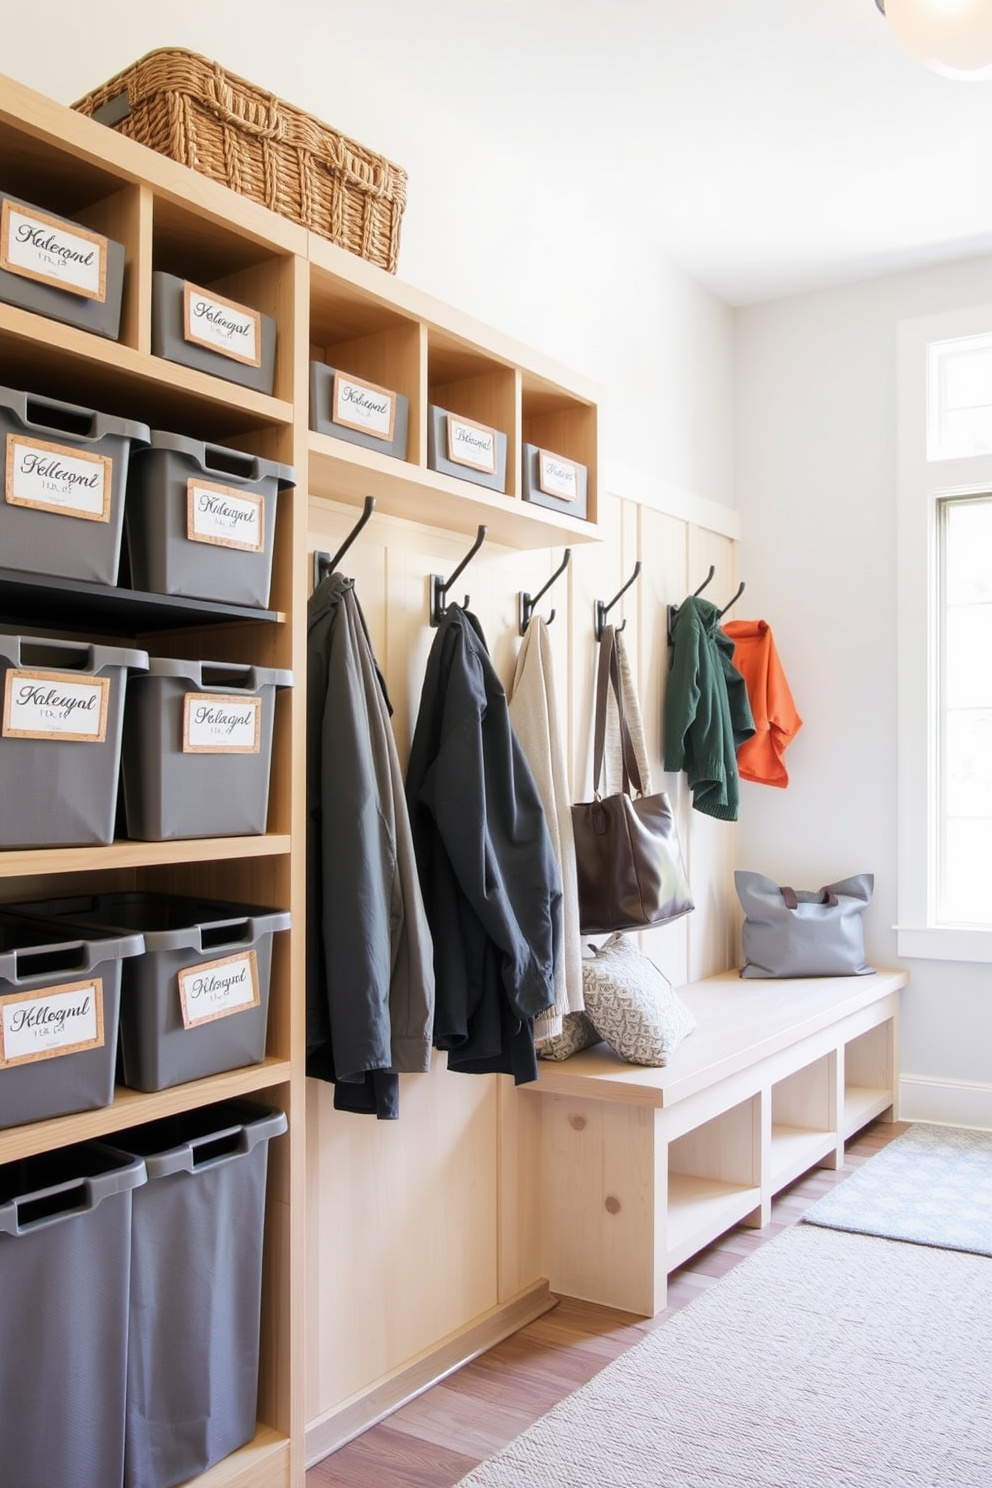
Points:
(75, 531)
(54, 791)
(65, 1242)
(61, 992)
(174, 786)
(531, 485)
(182, 936)
(321, 419)
(437, 453)
(175, 547)
(196, 1285)
(89, 312)
(169, 339)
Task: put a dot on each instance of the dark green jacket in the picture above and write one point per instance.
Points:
(706, 711)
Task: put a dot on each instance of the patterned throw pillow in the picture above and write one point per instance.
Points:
(632, 1004)
(577, 1033)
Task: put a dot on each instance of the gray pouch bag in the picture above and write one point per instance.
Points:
(798, 933)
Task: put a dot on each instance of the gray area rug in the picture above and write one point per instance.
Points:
(931, 1185)
(825, 1360)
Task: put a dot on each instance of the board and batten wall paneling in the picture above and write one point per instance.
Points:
(418, 1227)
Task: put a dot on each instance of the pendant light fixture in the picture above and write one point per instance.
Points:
(952, 37)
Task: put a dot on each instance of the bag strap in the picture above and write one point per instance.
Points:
(608, 675)
(825, 896)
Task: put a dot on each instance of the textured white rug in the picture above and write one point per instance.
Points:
(933, 1185)
(825, 1360)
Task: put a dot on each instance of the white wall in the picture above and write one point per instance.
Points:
(816, 479)
(486, 228)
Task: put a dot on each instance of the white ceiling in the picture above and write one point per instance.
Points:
(767, 146)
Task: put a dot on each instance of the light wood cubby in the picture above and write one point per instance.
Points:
(330, 306)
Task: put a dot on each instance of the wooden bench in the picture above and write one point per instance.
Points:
(637, 1169)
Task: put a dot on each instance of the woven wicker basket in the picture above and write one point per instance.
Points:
(190, 109)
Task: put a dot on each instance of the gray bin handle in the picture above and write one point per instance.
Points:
(213, 1149)
(62, 1201)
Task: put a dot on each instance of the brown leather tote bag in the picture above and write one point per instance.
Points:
(628, 857)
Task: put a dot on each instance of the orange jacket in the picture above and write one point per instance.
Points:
(776, 721)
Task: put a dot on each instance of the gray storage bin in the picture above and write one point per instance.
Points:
(65, 469)
(322, 420)
(166, 1038)
(200, 520)
(169, 338)
(188, 770)
(437, 453)
(90, 311)
(196, 1287)
(65, 1242)
(55, 790)
(572, 506)
(60, 994)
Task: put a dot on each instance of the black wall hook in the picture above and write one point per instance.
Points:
(440, 586)
(674, 609)
(526, 604)
(322, 564)
(602, 610)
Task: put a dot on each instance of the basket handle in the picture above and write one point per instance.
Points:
(220, 97)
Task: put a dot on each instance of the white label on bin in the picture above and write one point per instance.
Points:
(557, 476)
(471, 444)
(40, 247)
(55, 705)
(222, 325)
(51, 1021)
(216, 989)
(220, 724)
(363, 406)
(224, 516)
(57, 478)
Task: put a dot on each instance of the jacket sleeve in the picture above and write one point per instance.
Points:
(682, 694)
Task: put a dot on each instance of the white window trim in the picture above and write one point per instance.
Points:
(920, 484)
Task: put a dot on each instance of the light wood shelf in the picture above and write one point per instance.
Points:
(699, 1209)
(133, 1107)
(327, 304)
(795, 1150)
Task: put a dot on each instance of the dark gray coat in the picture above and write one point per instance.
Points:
(370, 976)
(490, 881)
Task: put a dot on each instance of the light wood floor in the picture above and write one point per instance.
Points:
(439, 1437)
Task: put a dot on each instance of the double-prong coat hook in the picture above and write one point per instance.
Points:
(602, 610)
(322, 564)
(674, 609)
(526, 603)
(440, 586)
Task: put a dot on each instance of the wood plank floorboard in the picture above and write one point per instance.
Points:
(434, 1440)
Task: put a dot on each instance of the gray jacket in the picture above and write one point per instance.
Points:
(370, 976)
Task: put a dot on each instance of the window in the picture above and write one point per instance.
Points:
(945, 637)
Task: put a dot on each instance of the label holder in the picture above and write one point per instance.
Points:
(480, 461)
(187, 992)
(224, 701)
(11, 1000)
(10, 730)
(246, 498)
(8, 259)
(381, 424)
(193, 291)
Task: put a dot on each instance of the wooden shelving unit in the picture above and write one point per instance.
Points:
(328, 305)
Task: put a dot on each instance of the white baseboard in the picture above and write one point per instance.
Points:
(946, 1102)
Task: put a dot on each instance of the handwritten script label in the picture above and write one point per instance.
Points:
(216, 989)
(58, 478)
(471, 444)
(220, 724)
(224, 516)
(51, 1021)
(363, 406)
(44, 249)
(557, 476)
(55, 705)
(222, 325)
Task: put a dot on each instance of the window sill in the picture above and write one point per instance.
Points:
(943, 943)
